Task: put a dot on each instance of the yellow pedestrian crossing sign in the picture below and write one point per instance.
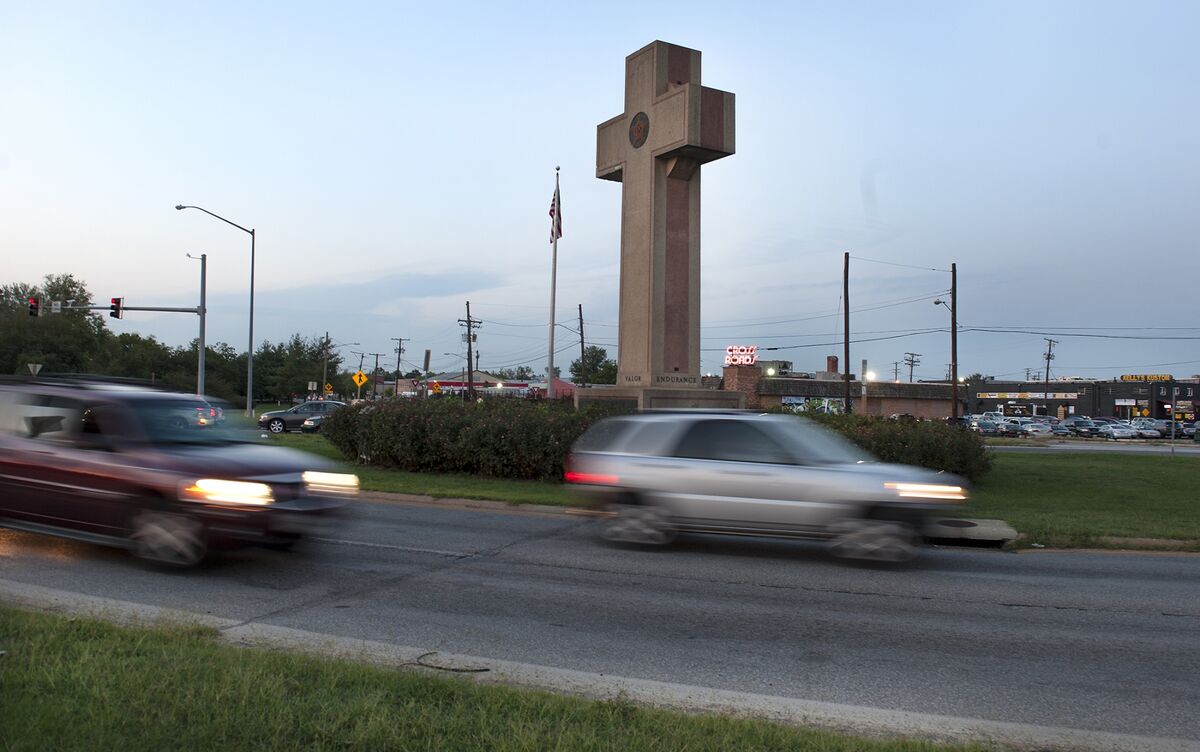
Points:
(329, 388)
(360, 378)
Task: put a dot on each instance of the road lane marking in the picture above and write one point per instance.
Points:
(411, 549)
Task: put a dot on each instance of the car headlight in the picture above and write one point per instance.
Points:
(936, 491)
(330, 483)
(309, 422)
(226, 492)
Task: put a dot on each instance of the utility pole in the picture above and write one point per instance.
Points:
(399, 351)
(203, 311)
(582, 350)
(471, 325)
(911, 359)
(895, 370)
(846, 327)
(1050, 343)
(1027, 370)
(358, 393)
(374, 379)
(954, 339)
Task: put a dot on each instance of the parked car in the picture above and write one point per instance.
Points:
(985, 427)
(1116, 431)
(1146, 430)
(1059, 429)
(1036, 429)
(113, 465)
(279, 421)
(1189, 430)
(1081, 426)
(1010, 427)
(1165, 428)
(313, 424)
(740, 473)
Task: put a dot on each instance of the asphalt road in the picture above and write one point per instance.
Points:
(1103, 642)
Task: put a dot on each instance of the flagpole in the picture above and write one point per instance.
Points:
(554, 223)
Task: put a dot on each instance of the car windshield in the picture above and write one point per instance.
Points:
(182, 421)
(817, 445)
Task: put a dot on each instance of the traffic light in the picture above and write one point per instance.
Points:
(34, 307)
(115, 307)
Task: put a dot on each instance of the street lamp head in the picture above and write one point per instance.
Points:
(180, 207)
(939, 301)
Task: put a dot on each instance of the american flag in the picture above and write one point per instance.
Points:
(555, 215)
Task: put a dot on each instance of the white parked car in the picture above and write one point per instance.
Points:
(1036, 429)
(1146, 430)
(1116, 431)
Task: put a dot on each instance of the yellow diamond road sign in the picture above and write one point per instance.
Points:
(329, 388)
(360, 378)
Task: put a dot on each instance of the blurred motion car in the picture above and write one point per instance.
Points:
(730, 472)
(292, 419)
(124, 465)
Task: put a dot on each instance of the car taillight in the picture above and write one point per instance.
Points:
(597, 479)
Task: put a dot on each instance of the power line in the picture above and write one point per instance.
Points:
(907, 266)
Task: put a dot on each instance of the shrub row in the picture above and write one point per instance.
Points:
(530, 440)
(932, 444)
(501, 438)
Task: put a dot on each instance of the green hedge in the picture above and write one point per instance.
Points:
(501, 438)
(931, 444)
(513, 438)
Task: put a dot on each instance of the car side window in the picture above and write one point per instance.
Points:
(47, 417)
(730, 441)
(99, 425)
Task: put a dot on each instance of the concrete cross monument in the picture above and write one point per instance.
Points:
(671, 126)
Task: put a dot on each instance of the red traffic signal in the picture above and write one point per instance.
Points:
(34, 307)
(115, 307)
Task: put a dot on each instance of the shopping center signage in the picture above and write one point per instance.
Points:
(741, 355)
(1027, 395)
(1147, 377)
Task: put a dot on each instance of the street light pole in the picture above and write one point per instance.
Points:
(953, 343)
(203, 313)
(250, 346)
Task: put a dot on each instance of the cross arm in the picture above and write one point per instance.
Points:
(612, 144)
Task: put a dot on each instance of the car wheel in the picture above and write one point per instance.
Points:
(177, 422)
(173, 539)
(874, 540)
(276, 426)
(638, 523)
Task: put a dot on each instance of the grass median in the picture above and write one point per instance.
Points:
(1073, 500)
(80, 684)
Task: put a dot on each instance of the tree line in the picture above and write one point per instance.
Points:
(78, 341)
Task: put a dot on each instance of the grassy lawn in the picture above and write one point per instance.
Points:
(1063, 499)
(78, 684)
(1055, 499)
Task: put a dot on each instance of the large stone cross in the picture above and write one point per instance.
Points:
(671, 126)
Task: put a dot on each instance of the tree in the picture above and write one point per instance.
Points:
(594, 367)
(520, 373)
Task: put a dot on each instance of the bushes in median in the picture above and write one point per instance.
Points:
(501, 438)
(931, 444)
(512, 438)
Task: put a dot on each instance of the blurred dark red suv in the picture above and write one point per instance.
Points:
(153, 471)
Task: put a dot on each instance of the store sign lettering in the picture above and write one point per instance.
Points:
(741, 355)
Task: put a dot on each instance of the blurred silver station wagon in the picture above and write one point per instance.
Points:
(741, 473)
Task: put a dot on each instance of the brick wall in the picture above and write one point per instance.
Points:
(744, 379)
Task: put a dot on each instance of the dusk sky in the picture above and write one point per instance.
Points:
(397, 160)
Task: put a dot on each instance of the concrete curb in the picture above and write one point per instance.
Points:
(851, 719)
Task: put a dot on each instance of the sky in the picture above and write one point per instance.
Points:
(396, 160)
